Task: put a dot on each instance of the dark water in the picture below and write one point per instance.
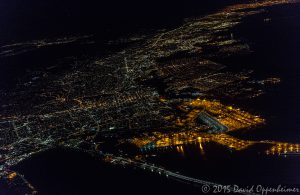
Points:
(276, 46)
(276, 54)
(221, 165)
(69, 172)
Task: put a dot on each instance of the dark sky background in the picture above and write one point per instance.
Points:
(32, 19)
(26, 20)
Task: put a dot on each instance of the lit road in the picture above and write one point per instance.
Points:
(159, 170)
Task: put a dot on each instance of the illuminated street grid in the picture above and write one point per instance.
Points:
(138, 91)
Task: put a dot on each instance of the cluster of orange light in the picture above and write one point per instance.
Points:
(141, 142)
(232, 142)
(229, 116)
(162, 140)
(12, 175)
(283, 148)
(178, 139)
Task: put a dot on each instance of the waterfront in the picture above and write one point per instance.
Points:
(269, 111)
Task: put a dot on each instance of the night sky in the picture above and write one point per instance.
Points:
(32, 19)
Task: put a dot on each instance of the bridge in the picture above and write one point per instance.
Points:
(162, 171)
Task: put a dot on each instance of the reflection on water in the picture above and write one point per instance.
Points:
(207, 126)
(211, 128)
(177, 140)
